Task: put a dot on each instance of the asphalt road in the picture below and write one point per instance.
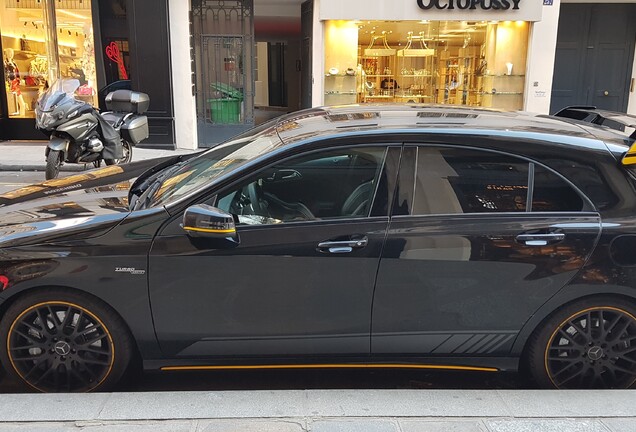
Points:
(288, 379)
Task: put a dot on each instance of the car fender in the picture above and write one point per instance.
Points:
(567, 295)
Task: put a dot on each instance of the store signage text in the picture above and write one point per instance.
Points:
(469, 4)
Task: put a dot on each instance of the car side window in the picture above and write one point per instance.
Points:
(324, 185)
(451, 181)
(551, 193)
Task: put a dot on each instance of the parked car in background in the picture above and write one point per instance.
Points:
(404, 236)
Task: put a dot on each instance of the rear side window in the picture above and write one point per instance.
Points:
(455, 181)
(552, 193)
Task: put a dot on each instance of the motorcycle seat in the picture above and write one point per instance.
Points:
(114, 118)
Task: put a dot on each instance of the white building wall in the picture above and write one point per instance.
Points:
(185, 114)
(541, 56)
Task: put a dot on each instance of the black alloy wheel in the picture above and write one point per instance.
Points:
(53, 164)
(589, 344)
(127, 149)
(59, 341)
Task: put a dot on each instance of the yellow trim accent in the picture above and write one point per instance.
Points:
(210, 230)
(58, 302)
(331, 366)
(547, 348)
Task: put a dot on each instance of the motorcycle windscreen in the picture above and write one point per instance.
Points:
(59, 90)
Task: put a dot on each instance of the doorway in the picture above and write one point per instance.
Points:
(594, 56)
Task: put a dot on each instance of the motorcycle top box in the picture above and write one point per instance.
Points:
(127, 101)
(133, 129)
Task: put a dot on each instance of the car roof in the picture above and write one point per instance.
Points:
(424, 118)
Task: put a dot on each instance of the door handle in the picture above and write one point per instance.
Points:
(540, 239)
(606, 93)
(342, 246)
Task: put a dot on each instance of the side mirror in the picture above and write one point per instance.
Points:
(206, 221)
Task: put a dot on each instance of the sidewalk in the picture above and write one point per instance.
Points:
(325, 411)
(29, 156)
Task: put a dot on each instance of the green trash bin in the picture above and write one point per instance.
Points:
(225, 110)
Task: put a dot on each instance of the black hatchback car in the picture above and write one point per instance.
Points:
(358, 236)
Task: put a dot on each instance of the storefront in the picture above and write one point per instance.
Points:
(119, 42)
(452, 52)
(34, 52)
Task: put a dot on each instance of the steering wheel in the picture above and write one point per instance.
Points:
(255, 195)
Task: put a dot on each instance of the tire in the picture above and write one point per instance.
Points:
(53, 164)
(83, 345)
(590, 343)
(128, 150)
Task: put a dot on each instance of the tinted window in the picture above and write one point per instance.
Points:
(452, 181)
(324, 185)
(552, 193)
(469, 181)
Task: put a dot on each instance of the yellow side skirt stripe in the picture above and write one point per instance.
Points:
(330, 366)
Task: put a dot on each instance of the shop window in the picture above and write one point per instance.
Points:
(27, 55)
(445, 62)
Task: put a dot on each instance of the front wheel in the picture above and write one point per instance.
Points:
(127, 149)
(53, 164)
(590, 343)
(63, 341)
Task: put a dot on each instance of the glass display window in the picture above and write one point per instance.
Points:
(28, 58)
(478, 63)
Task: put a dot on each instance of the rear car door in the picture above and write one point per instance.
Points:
(301, 280)
(477, 242)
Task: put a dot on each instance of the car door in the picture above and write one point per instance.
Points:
(300, 281)
(473, 249)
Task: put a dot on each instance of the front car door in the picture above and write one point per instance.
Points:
(301, 281)
(479, 242)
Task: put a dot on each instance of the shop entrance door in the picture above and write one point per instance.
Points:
(594, 56)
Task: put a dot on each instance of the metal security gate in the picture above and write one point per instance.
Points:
(223, 79)
(223, 45)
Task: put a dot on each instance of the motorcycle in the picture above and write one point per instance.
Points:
(79, 133)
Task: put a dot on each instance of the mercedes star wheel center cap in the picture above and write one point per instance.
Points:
(595, 353)
(62, 348)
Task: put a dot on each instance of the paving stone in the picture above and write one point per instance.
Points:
(153, 426)
(353, 425)
(620, 424)
(450, 425)
(547, 425)
(569, 403)
(252, 426)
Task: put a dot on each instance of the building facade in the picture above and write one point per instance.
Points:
(98, 42)
(214, 68)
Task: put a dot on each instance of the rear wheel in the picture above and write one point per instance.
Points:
(588, 344)
(53, 164)
(127, 149)
(62, 341)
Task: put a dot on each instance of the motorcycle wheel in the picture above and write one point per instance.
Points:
(127, 149)
(53, 164)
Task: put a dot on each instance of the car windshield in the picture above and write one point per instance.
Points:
(199, 172)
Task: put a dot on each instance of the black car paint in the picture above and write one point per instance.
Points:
(85, 258)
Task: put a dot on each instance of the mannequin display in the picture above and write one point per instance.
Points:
(12, 75)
